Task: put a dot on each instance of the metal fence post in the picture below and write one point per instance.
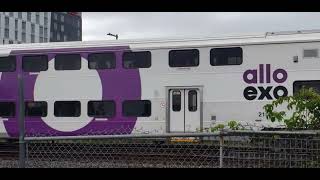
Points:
(221, 149)
(21, 123)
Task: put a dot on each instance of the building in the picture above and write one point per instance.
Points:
(39, 27)
(65, 26)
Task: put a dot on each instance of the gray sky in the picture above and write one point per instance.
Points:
(192, 24)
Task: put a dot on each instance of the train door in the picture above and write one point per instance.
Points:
(185, 112)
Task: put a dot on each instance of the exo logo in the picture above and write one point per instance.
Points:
(264, 75)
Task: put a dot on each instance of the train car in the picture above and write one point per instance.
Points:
(152, 86)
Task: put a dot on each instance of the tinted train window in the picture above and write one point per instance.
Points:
(192, 100)
(184, 58)
(35, 63)
(67, 62)
(101, 108)
(132, 60)
(102, 61)
(226, 56)
(7, 109)
(136, 108)
(7, 64)
(67, 108)
(36, 109)
(310, 53)
(297, 85)
(176, 100)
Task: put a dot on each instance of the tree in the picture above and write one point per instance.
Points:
(304, 107)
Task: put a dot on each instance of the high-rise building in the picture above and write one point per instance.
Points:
(39, 27)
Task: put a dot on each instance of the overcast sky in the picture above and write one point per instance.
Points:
(192, 24)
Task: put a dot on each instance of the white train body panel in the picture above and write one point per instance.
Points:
(220, 89)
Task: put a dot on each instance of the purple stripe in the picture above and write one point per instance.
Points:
(118, 84)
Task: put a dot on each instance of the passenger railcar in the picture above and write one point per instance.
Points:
(152, 86)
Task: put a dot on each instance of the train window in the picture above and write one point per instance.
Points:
(226, 56)
(35, 63)
(297, 85)
(136, 108)
(192, 100)
(67, 62)
(7, 64)
(101, 108)
(102, 61)
(310, 53)
(176, 101)
(184, 58)
(36, 109)
(7, 109)
(133, 60)
(67, 108)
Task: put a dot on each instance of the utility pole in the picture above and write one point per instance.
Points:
(22, 145)
(114, 35)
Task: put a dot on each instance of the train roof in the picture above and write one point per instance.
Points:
(235, 40)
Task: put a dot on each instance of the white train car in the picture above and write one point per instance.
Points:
(152, 86)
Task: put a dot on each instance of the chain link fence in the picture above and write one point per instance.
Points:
(225, 149)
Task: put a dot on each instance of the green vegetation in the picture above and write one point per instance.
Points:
(302, 110)
(231, 125)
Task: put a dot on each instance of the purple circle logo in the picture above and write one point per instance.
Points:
(117, 84)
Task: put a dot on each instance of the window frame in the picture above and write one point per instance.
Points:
(45, 21)
(37, 18)
(294, 90)
(32, 38)
(55, 60)
(190, 106)
(128, 101)
(29, 16)
(33, 28)
(45, 32)
(174, 107)
(16, 35)
(16, 24)
(126, 52)
(62, 28)
(114, 56)
(6, 33)
(24, 26)
(46, 108)
(77, 103)
(6, 22)
(23, 37)
(237, 47)
(13, 59)
(181, 50)
(103, 101)
(30, 56)
(41, 29)
(14, 109)
(303, 54)
(55, 16)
